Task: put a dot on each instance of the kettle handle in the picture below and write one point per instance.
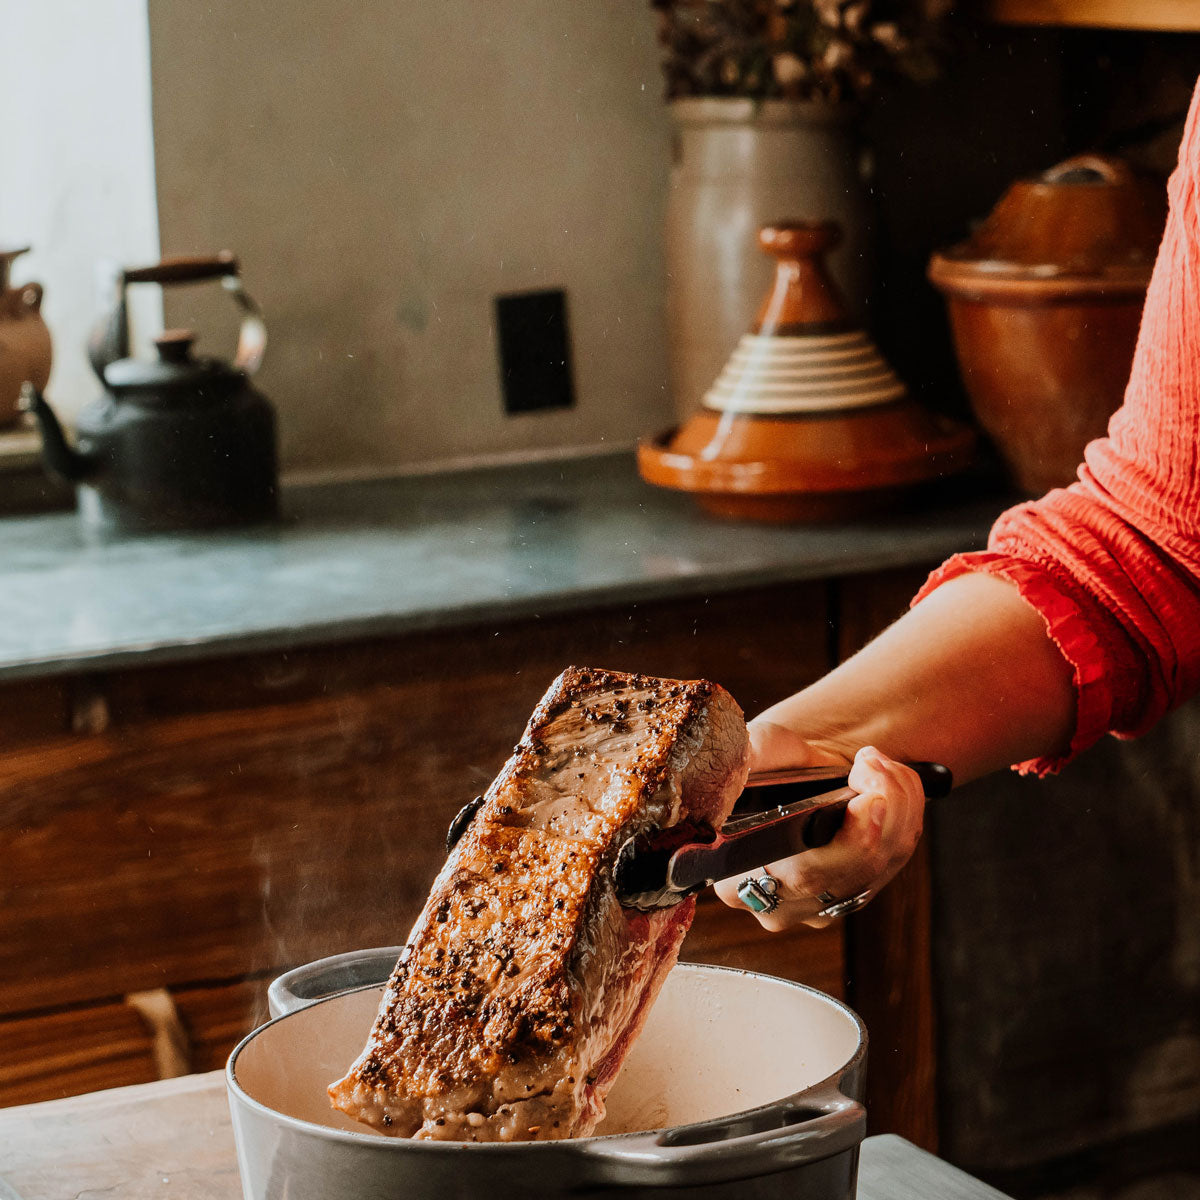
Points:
(185, 268)
(110, 339)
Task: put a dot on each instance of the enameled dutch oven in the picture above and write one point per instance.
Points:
(741, 1085)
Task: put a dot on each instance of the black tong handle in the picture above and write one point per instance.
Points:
(772, 790)
(649, 876)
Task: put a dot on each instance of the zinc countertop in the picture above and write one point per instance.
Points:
(415, 553)
(173, 1140)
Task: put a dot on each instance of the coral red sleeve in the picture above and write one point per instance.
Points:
(1113, 561)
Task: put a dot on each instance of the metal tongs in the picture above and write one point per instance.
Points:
(776, 816)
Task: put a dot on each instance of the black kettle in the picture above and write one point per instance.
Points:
(181, 443)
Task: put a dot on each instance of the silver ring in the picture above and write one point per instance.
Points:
(842, 907)
(759, 895)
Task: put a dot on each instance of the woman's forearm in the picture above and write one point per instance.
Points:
(969, 677)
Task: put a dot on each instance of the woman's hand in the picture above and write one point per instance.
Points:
(881, 830)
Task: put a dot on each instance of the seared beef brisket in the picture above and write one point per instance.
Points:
(524, 981)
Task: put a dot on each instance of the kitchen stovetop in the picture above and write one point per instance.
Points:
(173, 1141)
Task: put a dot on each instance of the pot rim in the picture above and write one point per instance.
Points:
(984, 281)
(829, 1084)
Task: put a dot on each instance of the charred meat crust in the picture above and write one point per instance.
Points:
(522, 960)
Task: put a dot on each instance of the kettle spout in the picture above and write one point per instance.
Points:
(62, 458)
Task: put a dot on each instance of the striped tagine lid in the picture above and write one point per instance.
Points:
(807, 421)
(804, 373)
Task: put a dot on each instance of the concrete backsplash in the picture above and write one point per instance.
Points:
(386, 168)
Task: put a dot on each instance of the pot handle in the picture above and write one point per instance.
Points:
(314, 981)
(1081, 166)
(808, 1127)
(31, 296)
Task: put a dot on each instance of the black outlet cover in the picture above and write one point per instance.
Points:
(535, 351)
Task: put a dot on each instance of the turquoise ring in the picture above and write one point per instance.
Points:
(760, 894)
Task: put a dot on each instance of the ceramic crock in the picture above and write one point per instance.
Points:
(740, 1085)
(1045, 301)
(736, 165)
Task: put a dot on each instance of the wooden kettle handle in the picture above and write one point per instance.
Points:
(110, 339)
(186, 268)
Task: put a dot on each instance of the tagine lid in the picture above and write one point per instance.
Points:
(1091, 223)
(803, 354)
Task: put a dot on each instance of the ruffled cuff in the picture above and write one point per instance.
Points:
(1068, 628)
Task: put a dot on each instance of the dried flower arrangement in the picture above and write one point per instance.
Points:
(829, 50)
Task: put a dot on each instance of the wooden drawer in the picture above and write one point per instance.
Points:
(48, 1055)
(45, 1056)
(235, 818)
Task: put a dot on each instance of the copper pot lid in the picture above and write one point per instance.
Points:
(1091, 223)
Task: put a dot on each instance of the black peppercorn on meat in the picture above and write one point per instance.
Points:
(524, 981)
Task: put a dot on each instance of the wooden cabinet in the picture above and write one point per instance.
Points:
(172, 837)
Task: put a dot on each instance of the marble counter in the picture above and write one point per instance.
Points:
(416, 553)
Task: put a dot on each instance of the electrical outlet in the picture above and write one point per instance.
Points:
(535, 351)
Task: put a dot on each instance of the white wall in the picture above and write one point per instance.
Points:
(384, 168)
(76, 162)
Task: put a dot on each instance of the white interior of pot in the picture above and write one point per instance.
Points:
(716, 1043)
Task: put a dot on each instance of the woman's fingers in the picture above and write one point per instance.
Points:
(881, 829)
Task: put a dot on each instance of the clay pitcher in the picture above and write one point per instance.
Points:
(24, 339)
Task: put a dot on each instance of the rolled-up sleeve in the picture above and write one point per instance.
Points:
(1112, 562)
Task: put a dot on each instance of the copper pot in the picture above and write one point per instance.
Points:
(1045, 301)
(24, 339)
